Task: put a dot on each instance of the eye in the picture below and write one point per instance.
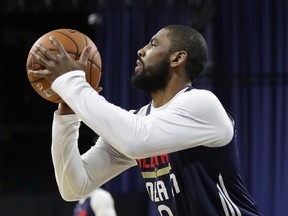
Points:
(153, 43)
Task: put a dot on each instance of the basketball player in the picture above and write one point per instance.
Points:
(99, 203)
(183, 141)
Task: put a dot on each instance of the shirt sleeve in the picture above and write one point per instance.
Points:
(77, 175)
(193, 119)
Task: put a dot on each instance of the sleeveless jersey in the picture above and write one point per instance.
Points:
(200, 181)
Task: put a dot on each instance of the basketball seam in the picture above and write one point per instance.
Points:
(77, 48)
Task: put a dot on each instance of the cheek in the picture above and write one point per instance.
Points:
(153, 58)
(150, 61)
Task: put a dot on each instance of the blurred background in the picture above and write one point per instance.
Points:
(247, 70)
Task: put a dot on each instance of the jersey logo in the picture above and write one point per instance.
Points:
(161, 182)
(154, 167)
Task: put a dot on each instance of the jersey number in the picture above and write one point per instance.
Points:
(162, 209)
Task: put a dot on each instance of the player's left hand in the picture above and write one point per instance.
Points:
(57, 63)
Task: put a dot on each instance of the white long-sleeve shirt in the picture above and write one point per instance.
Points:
(188, 120)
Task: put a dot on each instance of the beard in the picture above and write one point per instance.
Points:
(153, 78)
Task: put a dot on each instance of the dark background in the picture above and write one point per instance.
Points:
(247, 70)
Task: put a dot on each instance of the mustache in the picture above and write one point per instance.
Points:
(139, 59)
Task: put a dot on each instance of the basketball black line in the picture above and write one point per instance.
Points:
(77, 55)
(86, 43)
(93, 64)
(91, 60)
(90, 70)
(96, 52)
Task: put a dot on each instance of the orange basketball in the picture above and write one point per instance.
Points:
(73, 42)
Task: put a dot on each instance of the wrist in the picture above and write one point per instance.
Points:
(64, 109)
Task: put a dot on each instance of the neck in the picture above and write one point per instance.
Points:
(161, 97)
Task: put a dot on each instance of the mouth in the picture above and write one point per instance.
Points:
(139, 65)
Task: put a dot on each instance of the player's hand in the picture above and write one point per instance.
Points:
(57, 63)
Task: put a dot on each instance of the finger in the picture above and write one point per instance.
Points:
(41, 59)
(39, 73)
(84, 55)
(59, 47)
(45, 52)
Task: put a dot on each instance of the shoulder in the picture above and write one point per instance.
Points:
(201, 105)
(199, 94)
(197, 99)
(204, 106)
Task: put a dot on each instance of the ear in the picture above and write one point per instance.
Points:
(178, 58)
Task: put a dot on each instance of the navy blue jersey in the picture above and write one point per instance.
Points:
(198, 181)
(83, 208)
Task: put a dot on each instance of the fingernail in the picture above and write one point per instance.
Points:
(52, 40)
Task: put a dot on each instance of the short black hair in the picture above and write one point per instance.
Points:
(190, 40)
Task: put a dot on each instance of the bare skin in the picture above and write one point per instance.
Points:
(61, 63)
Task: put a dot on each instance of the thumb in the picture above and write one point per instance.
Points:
(84, 55)
(99, 89)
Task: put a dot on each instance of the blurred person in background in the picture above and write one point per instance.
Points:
(99, 203)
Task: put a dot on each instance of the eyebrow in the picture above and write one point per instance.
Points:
(153, 39)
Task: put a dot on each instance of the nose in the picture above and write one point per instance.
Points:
(141, 52)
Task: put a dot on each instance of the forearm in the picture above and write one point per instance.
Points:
(70, 172)
(78, 175)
